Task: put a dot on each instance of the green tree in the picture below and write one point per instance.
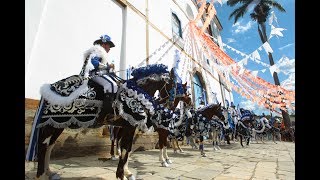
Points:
(260, 13)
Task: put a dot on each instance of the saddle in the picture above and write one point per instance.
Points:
(68, 85)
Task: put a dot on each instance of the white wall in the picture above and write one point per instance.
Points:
(33, 11)
(68, 28)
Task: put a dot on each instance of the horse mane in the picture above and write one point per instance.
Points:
(145, 71)
(132, 85)
(205, 108)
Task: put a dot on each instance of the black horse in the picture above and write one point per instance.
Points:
(131, 109)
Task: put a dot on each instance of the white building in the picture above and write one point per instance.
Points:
(58, 32)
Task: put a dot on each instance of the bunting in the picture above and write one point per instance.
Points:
(249, 85)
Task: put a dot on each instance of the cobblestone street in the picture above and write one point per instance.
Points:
(257, 161)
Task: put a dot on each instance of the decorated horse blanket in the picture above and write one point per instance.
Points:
(130, 104)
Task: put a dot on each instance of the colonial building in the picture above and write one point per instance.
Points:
(58, 32)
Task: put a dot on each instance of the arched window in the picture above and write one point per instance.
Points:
(199, 91)
(176, 25)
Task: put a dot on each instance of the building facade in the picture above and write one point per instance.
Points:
(58, 32)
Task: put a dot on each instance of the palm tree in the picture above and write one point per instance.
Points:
(260, 14)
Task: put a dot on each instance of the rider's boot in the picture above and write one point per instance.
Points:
(106, 108)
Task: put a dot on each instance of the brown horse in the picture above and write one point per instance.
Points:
(163, 133)
(51, 119)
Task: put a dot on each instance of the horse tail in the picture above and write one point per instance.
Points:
(32, 148)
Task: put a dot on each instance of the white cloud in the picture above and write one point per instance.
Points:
(252, 106)
(223, 1)
(230, 40)
(286, 65)
(286, 46)
(241, 28)
(289, 83)
(248, 105)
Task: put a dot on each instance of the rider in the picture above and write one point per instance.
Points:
(264, 120)
(233, 113)
(95, 63)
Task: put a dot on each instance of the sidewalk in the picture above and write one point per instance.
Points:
(232, 162)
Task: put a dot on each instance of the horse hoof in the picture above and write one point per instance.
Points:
(42, 177)
(55, 176)
(131, 177)
(168, 161)
(181, 151)
(113, 158)
(164, 164)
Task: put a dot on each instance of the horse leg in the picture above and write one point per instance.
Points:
(214, 137)
(163, 156)
(248, 141)
(241, 140)
(192, 142)
(273, 137)
(181, 151)
(53, 139)
(47, 137)
(165, 153)
(218, 141)
(112, 150)
(227, 138)
(172, 142)
(117, 132)
(125, 145)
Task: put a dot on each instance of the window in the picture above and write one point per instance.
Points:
(176, 25)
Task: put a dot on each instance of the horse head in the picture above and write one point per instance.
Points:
(213, 109)
(151, 77)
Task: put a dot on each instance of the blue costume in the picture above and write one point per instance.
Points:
(95, 64)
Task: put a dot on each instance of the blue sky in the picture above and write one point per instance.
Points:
(243, 36)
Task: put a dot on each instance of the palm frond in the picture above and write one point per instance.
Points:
(278, 6)
(232, 3)
(273, 3)
(239, 12)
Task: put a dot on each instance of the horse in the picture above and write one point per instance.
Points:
(263, 130)
(215, 131)
(178, 133)
(274, 131)
(244, 125)
(227, 126)
(168, 122)
(163, 131)
(131, 109)
(203, 119)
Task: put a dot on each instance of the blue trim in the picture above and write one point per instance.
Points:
(142, 72)
(33, 143)
(95, 61)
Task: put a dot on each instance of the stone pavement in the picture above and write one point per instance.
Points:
(232, 162)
